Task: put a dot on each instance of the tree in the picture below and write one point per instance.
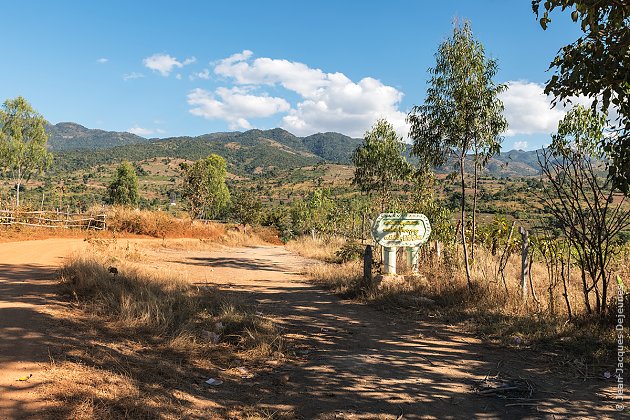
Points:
(588, 210)
(23, 142)
(379, 163)
(461, 113)
(597, 65)
(204, 186)
(246, 208)
(123, 190)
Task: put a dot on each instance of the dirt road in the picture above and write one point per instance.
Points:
(359, 362)
(354, 361)
(27, 300)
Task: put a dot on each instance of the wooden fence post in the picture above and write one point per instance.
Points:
(367, 267)
(524, 262)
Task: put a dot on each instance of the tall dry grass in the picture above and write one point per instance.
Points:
(319, 248)
(140, 300)
(140, 344)
(159, 224)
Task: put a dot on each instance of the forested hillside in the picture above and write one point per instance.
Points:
(249, 152)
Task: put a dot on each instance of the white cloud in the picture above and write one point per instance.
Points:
(204, 74)
(189, 61)
(132, 75)
(178, 76)
(102, 60)
(234, 105)
(328, 101)
(528, 110)
(140, 131)
(164, 63)
(520, 145)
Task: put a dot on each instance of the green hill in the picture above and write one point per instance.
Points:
(71, 136)
(251, 152)
(333, 147)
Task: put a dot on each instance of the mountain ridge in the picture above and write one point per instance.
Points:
(253, 151)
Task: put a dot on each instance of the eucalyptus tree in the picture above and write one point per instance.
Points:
(461, 113)
(23, 141)
(380, 164)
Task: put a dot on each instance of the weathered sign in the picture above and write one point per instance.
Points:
(401, 229)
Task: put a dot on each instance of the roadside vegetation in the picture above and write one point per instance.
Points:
(149, 340)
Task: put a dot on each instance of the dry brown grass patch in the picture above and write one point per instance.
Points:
(320, 248)
(148, 342)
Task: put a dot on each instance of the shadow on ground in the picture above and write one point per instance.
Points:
(348, 361)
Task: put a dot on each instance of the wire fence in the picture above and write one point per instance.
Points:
(53, 219)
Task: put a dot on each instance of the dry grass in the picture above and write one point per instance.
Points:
(160, 224)
(492, 308)
(148, 342)
(320, 248)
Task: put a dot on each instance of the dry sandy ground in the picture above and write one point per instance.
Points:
(354, 361)
(27, 296)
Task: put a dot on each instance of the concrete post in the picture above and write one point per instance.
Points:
(389, 266)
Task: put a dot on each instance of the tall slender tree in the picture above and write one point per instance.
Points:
(23, 140)
(461, 113)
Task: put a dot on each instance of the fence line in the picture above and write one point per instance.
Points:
(53, 219)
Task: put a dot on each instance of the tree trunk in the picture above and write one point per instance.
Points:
(463, 215)
(587, 302)
(524, 264)
(474, 216)
(566, 273)
(17, 194)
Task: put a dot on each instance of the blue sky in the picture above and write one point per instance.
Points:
(165, 68)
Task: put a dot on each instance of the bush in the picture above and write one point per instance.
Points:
(350, 251)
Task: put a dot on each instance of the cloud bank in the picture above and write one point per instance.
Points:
(326, 101)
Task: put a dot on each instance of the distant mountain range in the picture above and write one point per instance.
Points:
(249, 152)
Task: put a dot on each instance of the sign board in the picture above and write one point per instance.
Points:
(401, 229)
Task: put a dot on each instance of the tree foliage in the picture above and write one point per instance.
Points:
(123, 190)
(23, 140)
(245, 207)
(380, 164)
(461, 112)
(587, 209)
(204, 187)
(597, 65)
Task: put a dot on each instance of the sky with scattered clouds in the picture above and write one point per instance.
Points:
(161, 69)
